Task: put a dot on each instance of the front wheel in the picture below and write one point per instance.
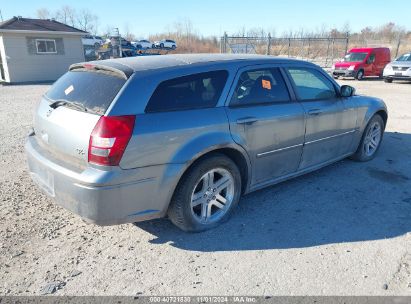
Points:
(206, 195)
(360, 75)
(371, 140)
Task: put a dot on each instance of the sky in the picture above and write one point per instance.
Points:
(214, 17)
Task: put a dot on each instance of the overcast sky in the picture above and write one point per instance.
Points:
(213, 17)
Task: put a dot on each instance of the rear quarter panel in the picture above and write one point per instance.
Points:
(175, 137)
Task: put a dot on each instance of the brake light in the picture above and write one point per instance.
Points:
(109, 139)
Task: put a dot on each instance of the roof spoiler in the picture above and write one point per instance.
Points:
(119, 70)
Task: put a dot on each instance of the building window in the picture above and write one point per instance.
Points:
(46, 46)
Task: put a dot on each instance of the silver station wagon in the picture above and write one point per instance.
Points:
(184, 136)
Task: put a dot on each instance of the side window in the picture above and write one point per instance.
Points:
(188, 92)
(259, 87)
(371, 59)
(46, 46)
(311, 84)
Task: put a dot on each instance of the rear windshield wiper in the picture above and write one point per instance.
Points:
(72, 104)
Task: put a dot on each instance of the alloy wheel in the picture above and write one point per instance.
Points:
(372, 139)
(212, 196)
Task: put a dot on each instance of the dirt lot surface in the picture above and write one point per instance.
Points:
(344, 230)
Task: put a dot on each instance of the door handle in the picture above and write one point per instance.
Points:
(314, 112)
(246, 120)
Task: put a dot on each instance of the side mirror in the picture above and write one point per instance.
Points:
(347, 91)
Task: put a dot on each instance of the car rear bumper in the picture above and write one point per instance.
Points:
(101, 197)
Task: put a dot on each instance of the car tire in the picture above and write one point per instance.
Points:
(197, 204)
(387, 80)
(360, 75)
(371, 138)
(173, 47)
(162, 45)
(153, 46)
(336, 77)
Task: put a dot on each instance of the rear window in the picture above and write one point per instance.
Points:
(92, 90)
(188, 92)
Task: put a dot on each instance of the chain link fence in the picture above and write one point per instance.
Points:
(323, 51)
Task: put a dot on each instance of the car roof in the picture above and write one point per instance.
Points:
(369, 49)
(143, 63)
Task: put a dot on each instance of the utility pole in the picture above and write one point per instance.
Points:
(119, 39)
(269, 44)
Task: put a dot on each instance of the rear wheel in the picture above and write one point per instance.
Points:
(387, 80)
(360, 75)
(371, 140)
(206, 195)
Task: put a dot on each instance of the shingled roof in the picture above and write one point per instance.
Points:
(37, 25)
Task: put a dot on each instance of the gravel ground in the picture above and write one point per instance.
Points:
(343, 230)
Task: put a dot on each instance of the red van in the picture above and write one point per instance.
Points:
(362, 62)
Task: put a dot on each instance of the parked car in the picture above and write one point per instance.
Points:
(124, 43)
(132, 139)
(362, 62)
(165, 44)
(399, 69)
(143, 44)
(96, 41)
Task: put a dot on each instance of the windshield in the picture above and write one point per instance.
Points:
(405, 57)
(93, 91)
(355, 57)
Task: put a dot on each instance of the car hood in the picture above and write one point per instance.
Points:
(343, 64)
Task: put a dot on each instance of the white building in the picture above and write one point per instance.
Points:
(33, 50)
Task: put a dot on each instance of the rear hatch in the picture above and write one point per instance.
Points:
(69, 111)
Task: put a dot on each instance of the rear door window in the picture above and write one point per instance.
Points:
(94, 91)
(311, 84)
(194, 91)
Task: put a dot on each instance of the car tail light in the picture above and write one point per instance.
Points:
(109, 139)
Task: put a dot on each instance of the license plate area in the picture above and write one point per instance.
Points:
(398, 74)
(45, 180)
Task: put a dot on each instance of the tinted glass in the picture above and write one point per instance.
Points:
(371, 59)
(405, 57)
(355, 57)
(260, 86)
(311, 84)
(93, 90)
(188, 92)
